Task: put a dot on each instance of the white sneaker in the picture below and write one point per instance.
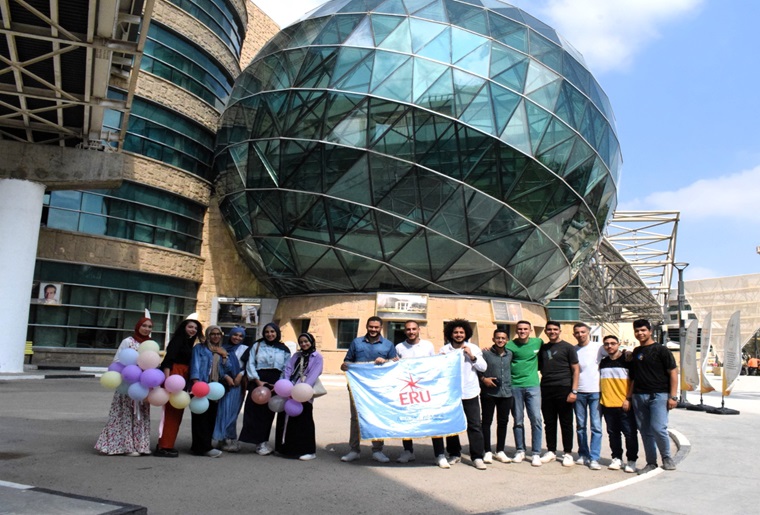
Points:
(630, 467)
(616, 464)
(442, 462)
(581, 460)
(263, 449)
(488, 457)
(214, 453)
(379, 456)
(351, 456)
(405, 457)
(479, 464)
(518, 457)
(594, 465)
(502, 457)
(548, 457)
(307, 457)
(567, 460)
(453, 460)
(536, 461)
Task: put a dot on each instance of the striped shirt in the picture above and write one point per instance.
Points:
(614, 376)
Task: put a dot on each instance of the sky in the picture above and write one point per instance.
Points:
(683, 79)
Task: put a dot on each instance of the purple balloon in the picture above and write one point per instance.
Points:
(131, 374)
(152, 377)
(116, 367)
(293, 407)
(283, 387)
(137, 392)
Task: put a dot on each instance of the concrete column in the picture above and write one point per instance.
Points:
(20, 212)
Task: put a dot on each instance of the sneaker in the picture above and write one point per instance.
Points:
(594, 465)
(548, 457)
(536, 461)
(133, 454)
(307, 457)
(453, 460)
(263, 449)
(442, 462)
(488, 457)
(518, 457)
(630, 467)
(567, 460)
(351, 456)
(502, 457)
(231, 446)
(479, 464)
(649, 468)
(582, 460)
(165, 453)
(405, 457)
(214, 453)
(616, 464)
(668, 464)
(379, 456)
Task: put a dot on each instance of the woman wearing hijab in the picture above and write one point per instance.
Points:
(296, 436)
(179, 352)
(127, 431)
(268, 357)
(225, 430)
(209, 364)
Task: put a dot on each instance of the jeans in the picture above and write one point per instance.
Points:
(554, 406)
(651, 411)
(502, 405)
(527, 397)
(618, 421)
(474, 433)
(588, 404)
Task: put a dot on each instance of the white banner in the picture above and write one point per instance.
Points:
(732, 353)
(705, 386)
(689, 372)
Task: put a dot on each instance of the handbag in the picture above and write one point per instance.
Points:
(319, 388)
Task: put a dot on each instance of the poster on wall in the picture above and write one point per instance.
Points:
(401, 306)
(47, 293)
(506, 311)
(238, 311)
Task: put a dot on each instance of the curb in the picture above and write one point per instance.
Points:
(108, 507)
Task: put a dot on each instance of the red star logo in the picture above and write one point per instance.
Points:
(411, 383)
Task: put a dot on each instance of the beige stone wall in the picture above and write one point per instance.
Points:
(325, 310)
(261, 28)
(169, 94)
(143, 170)
(110, 252)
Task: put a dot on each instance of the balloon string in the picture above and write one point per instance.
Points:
(285, 429)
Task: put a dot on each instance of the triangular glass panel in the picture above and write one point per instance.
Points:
(413, 257)
(451, 218)
(555, 158)
(384, 173)
(275, 256)
(516, 132)
(413, 6)
(347, 60)
(598, 173)
(439, 97)
(313, 225)
(604, 145)
(463, 42)
(360, 6)
(470, 17)
(504, 103)
(338, 29)
(442, 251)
(384, 25)
(423, 32)
(512, 34)
(581, 154)
(359, 78)
(383, 280)
(435, 191)
(434, 11)
(431, 129)
(548, 53)
(268, 207)
(439, 48)
(470, 266)
(508, 67)
(351, 130)
(398, 140)
(394, 232)
(500, 244)
(397, 86)
(358, 268)
(477, 61)
(425, 74)
(306, 254)
(480, 210)
(391, 7)
(547, 95)
(362, 36)
(538, 77)
(339, 160)
(473, 144)
(466, 88)
(556, 227)
(400, 40)
(526, 269)
(538, 120)
(541, 27)
(403, 200)
(316, 71)
(329, 274)
(578, 177)
(479, 114)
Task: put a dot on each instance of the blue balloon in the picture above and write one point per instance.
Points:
(199, 405)
(137, 392)
(128, 356)
(215, 391)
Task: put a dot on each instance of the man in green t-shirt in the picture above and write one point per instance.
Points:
(526, 391)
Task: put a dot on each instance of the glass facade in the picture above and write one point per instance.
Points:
(220, 17)
(431, 146)
(100, 306)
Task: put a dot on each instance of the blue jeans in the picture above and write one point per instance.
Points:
(527, 397)
(588, 404)
(651, 411)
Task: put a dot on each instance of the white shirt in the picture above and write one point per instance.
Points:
(589, 357)
(470, 369)
(418, 350)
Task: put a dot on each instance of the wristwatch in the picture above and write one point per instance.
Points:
(674, 398)
(574, 392)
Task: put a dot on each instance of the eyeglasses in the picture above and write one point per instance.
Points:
(610, 344)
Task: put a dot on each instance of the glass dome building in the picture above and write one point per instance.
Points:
(446, 146)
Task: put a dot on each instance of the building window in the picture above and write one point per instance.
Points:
(218, 17)
(347, 331)
(506, 328)
(305, 323)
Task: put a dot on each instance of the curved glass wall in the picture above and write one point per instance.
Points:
(99, 307)
(174, 58)
(417, 146)
(220, 17)
(132, 212)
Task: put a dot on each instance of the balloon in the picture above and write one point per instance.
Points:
(110, 380)
(158, 397)
(261, 395)
(131, 373)
(200, 389)
(123, 388)
(293, 407)
(302, 392)
(148, 346)
(148, 359)
(152, 377)
(174, 383)
(179, 400)
(127, 356)
(277, 404)
(137, 392)
(116, 367)
(283, 387)
(199, 405)
(216, 391)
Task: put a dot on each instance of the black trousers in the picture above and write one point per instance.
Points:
(474, 433)
(258, 418)
(502, 406)
(554, 406)
(618, 421)
(202, 428)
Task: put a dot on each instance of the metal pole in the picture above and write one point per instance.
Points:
(681, 324)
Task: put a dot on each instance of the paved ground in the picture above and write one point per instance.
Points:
(48, 427)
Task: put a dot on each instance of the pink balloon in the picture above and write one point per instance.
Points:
(131, 374)
(200, 389)
(174, 383)
(151, 378)
(293, 407)
(158, 397)
(283, 387)
(261, 395)
(302, 392)
(116, 367)
(148, 359)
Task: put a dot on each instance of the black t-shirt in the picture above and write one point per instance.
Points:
(650, 368)
(555, 362)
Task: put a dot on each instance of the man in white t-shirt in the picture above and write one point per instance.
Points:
(587, 408)
(412, 347)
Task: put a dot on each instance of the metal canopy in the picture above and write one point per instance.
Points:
(57, 60)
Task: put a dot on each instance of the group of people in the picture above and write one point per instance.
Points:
(553, 381)
(240, 369)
